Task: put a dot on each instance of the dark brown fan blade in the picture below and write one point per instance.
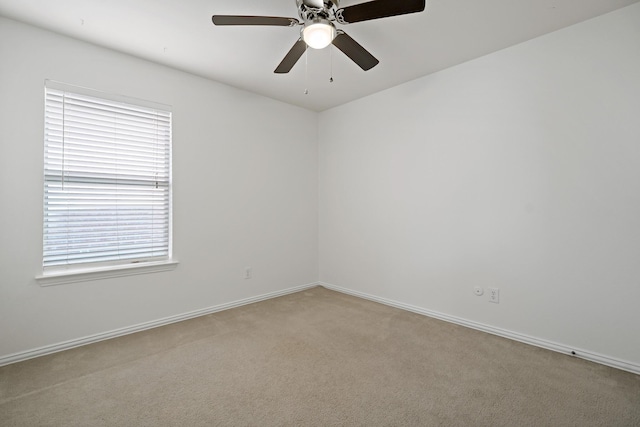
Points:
(292, 57)
(353, 50)
(378, 9)
(254, 20)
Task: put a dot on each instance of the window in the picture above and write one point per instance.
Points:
(107, 181)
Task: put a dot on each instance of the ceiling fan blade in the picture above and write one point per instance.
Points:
(254, 20)
(378, 9)
(353, 50)
(292, 57)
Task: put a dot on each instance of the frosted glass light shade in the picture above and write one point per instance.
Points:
(319, 35)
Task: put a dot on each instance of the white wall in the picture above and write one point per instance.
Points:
(245, 193)
(519, 170)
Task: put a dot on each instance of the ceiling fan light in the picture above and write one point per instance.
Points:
(319, 34)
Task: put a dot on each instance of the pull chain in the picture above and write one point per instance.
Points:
(331, 64)
(306, 70)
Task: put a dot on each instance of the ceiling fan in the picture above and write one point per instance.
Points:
(319, 30)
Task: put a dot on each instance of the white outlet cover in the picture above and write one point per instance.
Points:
(494, 295)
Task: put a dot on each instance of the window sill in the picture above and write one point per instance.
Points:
(74, 276)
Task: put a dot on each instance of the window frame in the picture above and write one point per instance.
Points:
(83, 271)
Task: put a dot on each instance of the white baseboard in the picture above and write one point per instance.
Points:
(66, 345)
(538, 342)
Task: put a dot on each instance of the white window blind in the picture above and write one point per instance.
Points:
(107, 181)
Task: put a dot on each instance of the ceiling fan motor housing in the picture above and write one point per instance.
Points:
(313, 9)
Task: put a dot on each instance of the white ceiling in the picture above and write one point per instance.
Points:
(180, 34)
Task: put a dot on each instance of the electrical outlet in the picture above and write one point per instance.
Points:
(248, 272)
(494, 295)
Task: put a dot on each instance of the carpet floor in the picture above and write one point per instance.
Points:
(315, 358)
